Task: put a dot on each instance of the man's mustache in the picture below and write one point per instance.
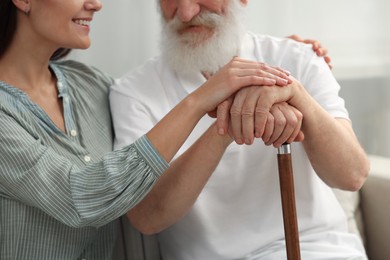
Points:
(205, 18)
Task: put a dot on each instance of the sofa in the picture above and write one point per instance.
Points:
(368, 212)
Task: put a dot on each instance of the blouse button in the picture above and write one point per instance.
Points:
(73, 133)
(87, 158)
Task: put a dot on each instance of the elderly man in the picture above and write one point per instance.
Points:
(220, 200)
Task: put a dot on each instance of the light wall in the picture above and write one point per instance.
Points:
(357, 33)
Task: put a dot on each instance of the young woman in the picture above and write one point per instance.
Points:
(61, 186)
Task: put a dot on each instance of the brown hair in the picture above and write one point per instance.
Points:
(8, 23)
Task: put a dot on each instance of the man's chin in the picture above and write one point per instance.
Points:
(195, 40)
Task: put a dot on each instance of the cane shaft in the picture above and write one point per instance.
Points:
(290, 221)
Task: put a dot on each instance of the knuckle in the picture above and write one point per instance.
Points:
(259, 72)
(270, 121)
(261, 111)
(235, 112)
(292, 122)
(280, 122)
(247, 112)
(299, 116)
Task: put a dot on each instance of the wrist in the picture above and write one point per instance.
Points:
(225, 139)
(299, 97)
(193, 105)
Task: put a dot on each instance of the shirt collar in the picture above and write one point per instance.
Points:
(63, 89)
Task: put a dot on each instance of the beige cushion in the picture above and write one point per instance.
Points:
(375, 201)
(350, 202)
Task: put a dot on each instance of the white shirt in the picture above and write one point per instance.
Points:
(238, 215)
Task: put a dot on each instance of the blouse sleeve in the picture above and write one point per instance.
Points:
(93, 195)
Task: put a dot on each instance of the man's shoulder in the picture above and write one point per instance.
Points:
(275, 43)
(280, 51)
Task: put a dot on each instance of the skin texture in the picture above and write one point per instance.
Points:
(50, 25)
(330, 143)
(53, 24)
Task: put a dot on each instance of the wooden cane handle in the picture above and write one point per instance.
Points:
(288, 203)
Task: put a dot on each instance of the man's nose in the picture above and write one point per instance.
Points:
(187, 9)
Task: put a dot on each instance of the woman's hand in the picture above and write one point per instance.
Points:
(317, 48)
(237, 74)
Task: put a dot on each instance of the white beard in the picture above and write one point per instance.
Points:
(193, 52)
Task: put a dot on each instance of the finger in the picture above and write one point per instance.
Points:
(212, 114)
(292, 124)
(223, 116)
(275, 70)
(268, 129)
(263, 77)
(322, 51)
(247, 64)
(315, 44)
(279, 124)
(251, 80)
(235, 117)
(328, 61)
(267, 97)
(300, 137)
(261, 119)
(262, 73)
(295, 38)
(206, 74)
(286, 72)
(298, 125)
(281, 76)
(248, 115)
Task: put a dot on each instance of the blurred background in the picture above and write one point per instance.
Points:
(357, 33)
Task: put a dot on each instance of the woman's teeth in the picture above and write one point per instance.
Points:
(82, 22)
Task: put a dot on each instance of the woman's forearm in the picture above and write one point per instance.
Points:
(176, 191)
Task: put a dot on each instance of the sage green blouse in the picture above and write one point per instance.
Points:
(62, 193)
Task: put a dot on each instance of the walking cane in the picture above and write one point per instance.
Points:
(290, 221)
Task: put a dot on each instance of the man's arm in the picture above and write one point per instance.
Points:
(224, 107)
(330, 143)
(179, 187)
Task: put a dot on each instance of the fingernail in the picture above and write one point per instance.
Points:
(239, 141)
(221, 131)
(248, 141)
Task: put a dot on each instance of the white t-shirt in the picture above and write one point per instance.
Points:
(238, 215)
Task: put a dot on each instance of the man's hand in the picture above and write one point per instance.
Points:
(317, 48)
(283, 125)
(248, 119)
(266, 112)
